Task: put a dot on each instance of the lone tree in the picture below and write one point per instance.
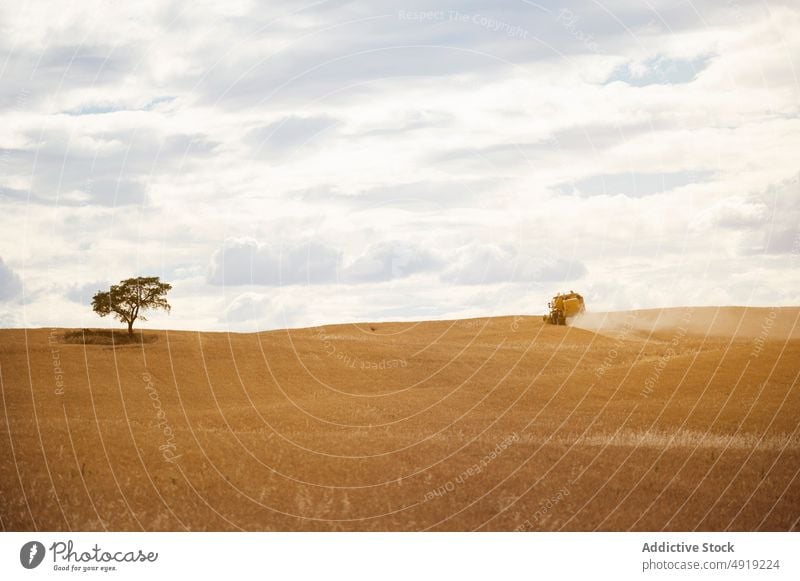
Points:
(127, 299)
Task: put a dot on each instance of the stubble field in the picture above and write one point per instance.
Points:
(676, 419)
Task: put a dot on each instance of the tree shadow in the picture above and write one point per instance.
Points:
(107, 337)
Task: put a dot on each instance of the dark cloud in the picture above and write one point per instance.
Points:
(578, 139)
(285, 137)
(390, 260)
(10, 283)
(500, 155)
(111, 173)
(362, 41)
(83, 65)
(599, 136)
(633, 184)
(740, 216)
(781, 232)
(768, 221)
(414, 196)
(379, 40)
(337, 43)
(414, 121)
(247, 262)
(783, 239)
(263, 311)
(247, 307)
(83, 293)
(32, 75)
(15, 195)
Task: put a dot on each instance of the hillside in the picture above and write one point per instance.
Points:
(675, 419)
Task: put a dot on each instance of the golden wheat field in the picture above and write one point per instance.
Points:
(676, 419)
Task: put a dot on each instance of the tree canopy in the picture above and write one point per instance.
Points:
(127, 300)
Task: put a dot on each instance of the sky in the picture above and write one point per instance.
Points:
(289, 164)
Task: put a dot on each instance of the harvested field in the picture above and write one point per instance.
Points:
(681, 419)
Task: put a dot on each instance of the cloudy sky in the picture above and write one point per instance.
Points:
(310, 162)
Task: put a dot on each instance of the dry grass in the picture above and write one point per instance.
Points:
(306, 430)
(687, 439)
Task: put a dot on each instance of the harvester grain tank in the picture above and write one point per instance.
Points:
(564, 306)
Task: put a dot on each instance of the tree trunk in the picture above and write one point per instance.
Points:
(130, 328)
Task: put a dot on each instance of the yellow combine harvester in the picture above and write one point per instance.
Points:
(564, 306)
